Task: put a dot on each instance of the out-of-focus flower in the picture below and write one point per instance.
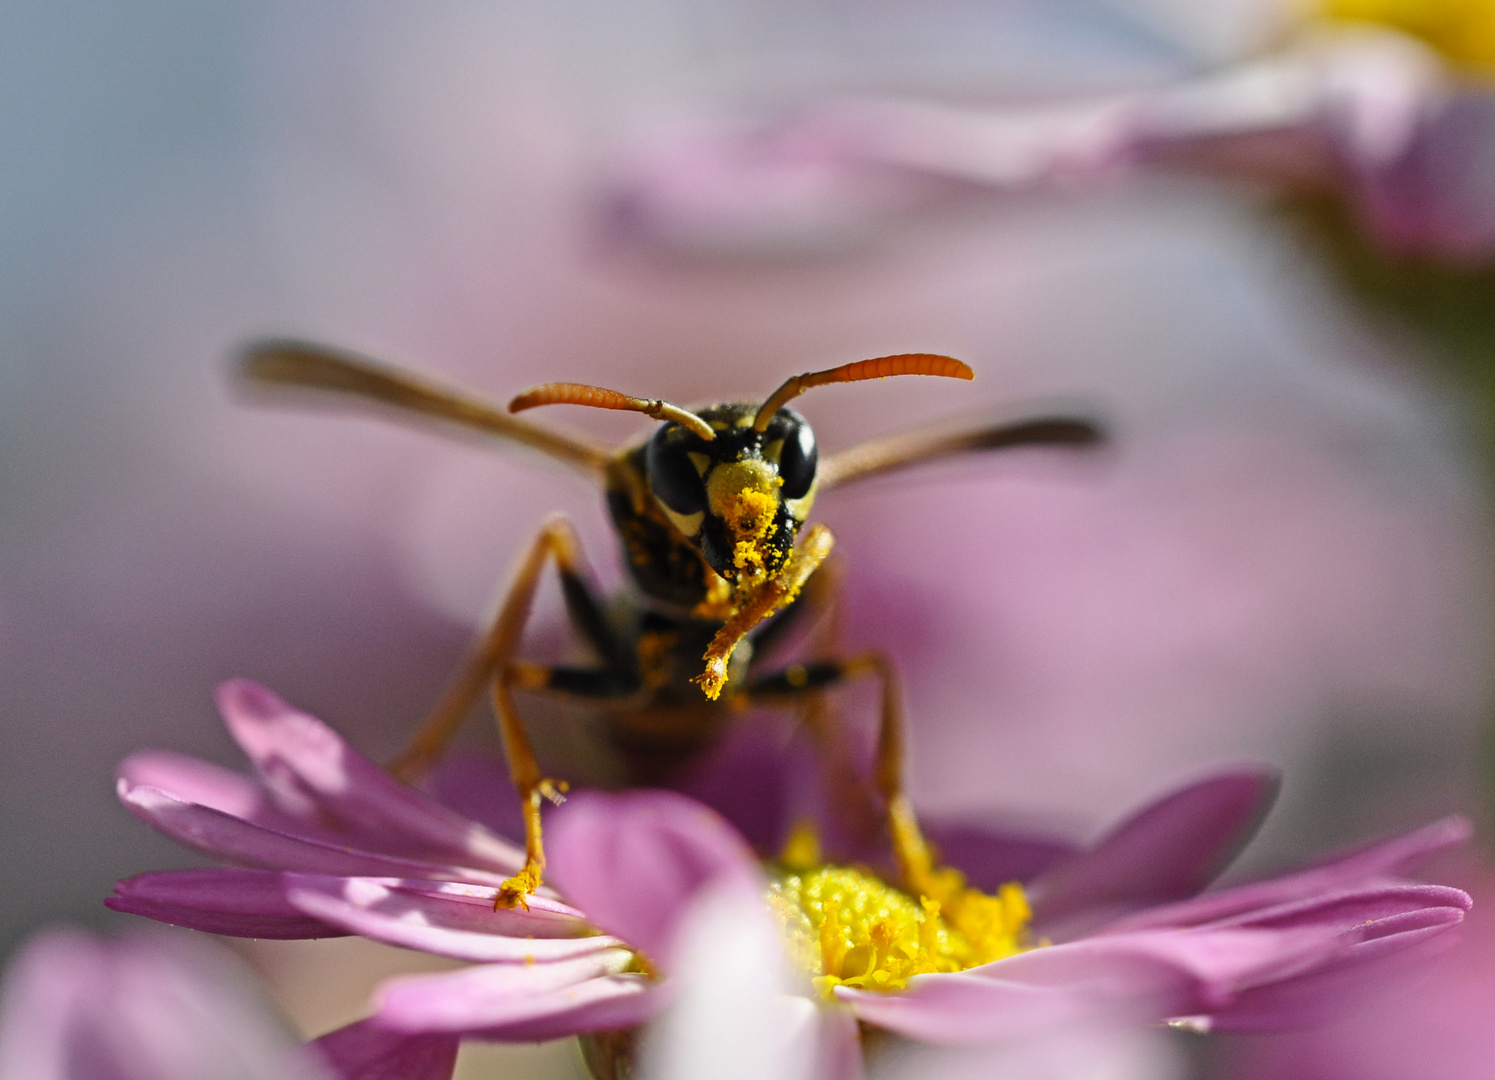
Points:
(1354, 105)
(157, 1007)
(144, 1007)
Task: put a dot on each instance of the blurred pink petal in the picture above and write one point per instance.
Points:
(1382, 860)
(1437, 198)
(365, 1051)
(734, 1012)
(148, 1007)
(635, 861)
(1137, 977)
(990, 857)
(1170, 849)
(1373, 113)
(961, 1008)
(1429, 1022)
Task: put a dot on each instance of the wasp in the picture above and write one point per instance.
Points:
(710, 508)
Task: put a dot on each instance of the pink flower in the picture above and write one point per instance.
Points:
(327, 844)
(158, 1007)
(1131, 938)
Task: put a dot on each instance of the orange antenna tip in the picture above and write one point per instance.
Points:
(880, 367)
(598, 397)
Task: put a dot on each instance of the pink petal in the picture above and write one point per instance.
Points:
(521, 1003)
(1390, 929)
(240, 903)
(1132, 978)
(233, 840)
(365, 1051)
(446, 919)
(962, 1008)
(190, 780)
(1170, 849)
(734, 1012)
(1214, 964)
(839, 1055)
(199, 782)
(149, 1005)
(303, 759)
(1374, 964)
(633, 862)
(1357, 910)
(991, 857)
(612, 1003)
(1356, 867)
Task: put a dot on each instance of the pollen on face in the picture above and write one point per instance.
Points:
(844, 926)
(749, 515)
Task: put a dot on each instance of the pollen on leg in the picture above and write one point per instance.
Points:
(516, 891)
(846, 927)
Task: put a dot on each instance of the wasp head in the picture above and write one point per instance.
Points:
(741, 496)
(738, 480)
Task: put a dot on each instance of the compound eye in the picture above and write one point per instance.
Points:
(672, 477)
(797, 461)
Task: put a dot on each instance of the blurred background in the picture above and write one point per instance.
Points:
(1284, 556)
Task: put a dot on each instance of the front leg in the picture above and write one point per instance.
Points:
(492, 661)
(769, 597)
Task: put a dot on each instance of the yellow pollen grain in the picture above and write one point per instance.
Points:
(845, 927)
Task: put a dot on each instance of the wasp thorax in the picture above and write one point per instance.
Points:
(741, 496)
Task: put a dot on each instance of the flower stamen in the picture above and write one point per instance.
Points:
(846, 927)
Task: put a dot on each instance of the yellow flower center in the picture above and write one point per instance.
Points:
(1462, 30)
(846, 927)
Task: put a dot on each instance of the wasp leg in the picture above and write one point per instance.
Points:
(770, 597)
(533, 787)
(492, 655)
(557, 539)
(809, 681)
